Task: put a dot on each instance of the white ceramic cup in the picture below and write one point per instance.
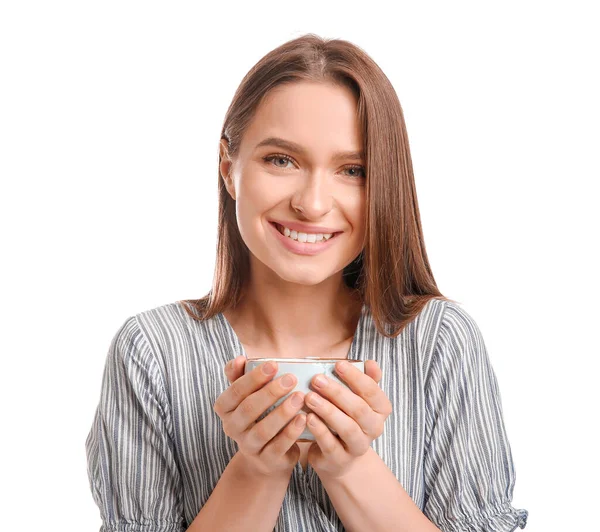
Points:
(304, 369)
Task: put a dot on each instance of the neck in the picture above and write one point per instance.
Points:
(295, 321)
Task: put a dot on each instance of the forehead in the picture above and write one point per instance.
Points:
(322, 117)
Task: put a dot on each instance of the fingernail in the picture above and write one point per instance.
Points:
(343, 366)
(299, 421)
(314, 399)
(288, 380)
(268, 368)
(297, 400)
(320, 381)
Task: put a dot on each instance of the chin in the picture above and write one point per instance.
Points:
(306, 276)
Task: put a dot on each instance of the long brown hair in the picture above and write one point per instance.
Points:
(392, 273)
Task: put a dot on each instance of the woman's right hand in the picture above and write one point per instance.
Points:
(267, 450)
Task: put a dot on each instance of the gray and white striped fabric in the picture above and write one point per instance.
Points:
(156, 448)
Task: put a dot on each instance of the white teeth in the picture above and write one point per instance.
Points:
(305, 237)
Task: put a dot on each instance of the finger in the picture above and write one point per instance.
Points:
(239, 365)
(228, 369)
(235, 368)
(261, 401)
(327, 444)
(277, 421)
(355, 435)
(230, 399)
(285, 441)
(372, 370)
(354, 410)
(363, 386)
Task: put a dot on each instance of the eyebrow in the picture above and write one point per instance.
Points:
(292, 146)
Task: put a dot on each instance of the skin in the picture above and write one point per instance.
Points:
(298, 306)
(356, 414)
(295, 302)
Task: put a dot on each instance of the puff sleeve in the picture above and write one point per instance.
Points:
(468, 465)
(131, 464)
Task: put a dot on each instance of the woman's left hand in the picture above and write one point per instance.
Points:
(357, 415)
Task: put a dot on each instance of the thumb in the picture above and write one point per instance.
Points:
(234, 369)
(372, 370)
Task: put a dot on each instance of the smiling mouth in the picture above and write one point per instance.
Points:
(323, 239)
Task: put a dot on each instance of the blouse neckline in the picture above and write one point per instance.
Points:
(238, 348)
(354, 352)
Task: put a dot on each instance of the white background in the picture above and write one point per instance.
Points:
(110, 116)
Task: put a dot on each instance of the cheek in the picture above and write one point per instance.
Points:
(357, 217)
(259, 188)
(246, 213)
(357, 212)
(254, 198)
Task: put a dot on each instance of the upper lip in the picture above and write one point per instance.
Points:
(306, 228)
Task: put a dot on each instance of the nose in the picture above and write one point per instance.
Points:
(314, 196)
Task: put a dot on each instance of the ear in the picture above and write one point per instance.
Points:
(225, 167)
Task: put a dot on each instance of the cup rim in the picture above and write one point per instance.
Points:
(303, 360)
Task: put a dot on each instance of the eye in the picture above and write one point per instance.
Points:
(287, 159)
(357, 168)
(278, 157)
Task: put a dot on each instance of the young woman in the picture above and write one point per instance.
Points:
(320, 254)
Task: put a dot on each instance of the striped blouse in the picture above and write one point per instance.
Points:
(156, 448)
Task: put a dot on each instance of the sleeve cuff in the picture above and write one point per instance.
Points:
(138, 527)
(507, 520)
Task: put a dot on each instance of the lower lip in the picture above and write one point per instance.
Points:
(303, 248)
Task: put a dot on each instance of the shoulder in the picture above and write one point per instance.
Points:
(459, 347)
(131, 361)
(168, 315)
(155, 334)
(170, 322)
(129, 341)
(458, 326)
(452, 336)
(176, 339)
(447, 313)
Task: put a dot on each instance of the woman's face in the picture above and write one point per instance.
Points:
(267, 180)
